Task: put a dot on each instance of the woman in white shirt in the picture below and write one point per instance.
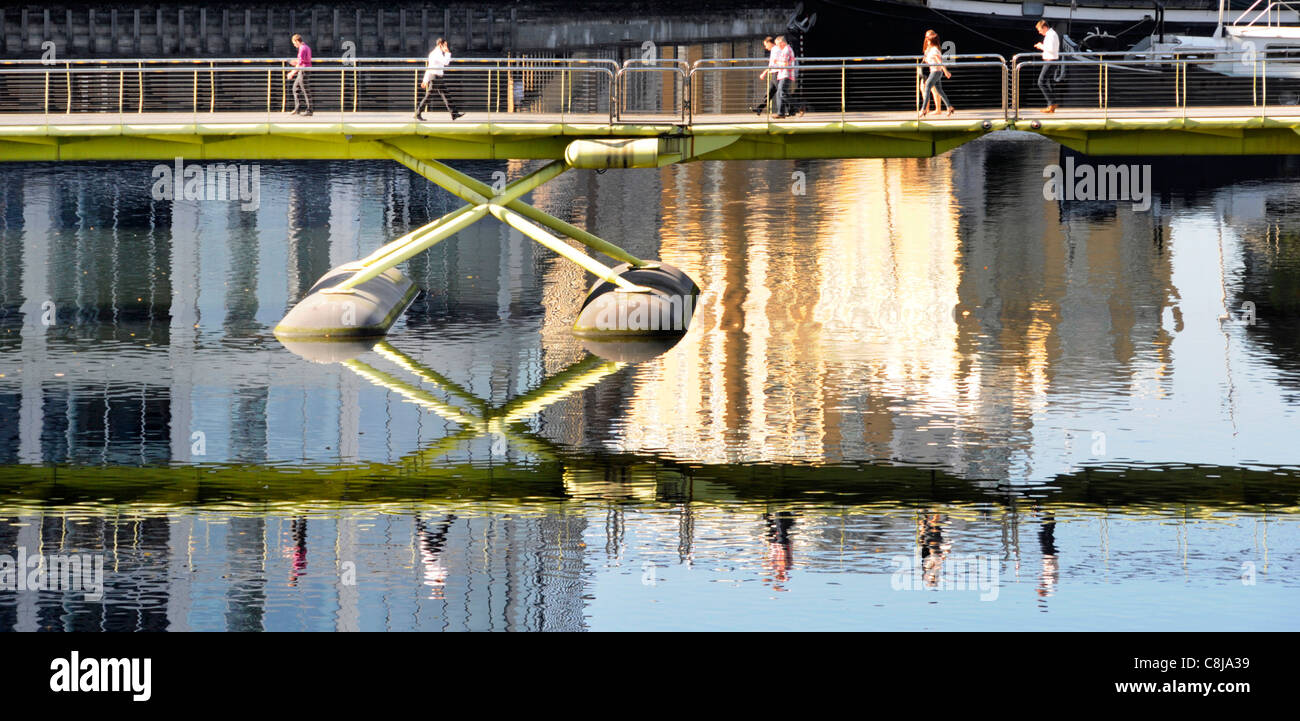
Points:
(432, 82)
(933, 56)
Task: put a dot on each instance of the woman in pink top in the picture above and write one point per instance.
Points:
(299, 74)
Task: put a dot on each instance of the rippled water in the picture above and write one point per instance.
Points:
(915, 364)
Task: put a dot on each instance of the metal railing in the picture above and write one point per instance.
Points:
(1271, 13)
(653, 91)
(842, 89)
(1166, 84)
(566, 91)
(1191, 84)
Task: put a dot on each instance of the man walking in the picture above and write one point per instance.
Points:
(784, 77)
(299, 75)
(432, 82)
(769, 45)
(1051, 47)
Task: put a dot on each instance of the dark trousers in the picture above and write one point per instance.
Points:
(771, 91)
(300, 85)
(1046, 84)
(782, 101)
(436, 85)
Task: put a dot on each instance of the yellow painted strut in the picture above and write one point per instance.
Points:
(482, 199)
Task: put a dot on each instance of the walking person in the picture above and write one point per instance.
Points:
(933, 56)
(439, 58)
(299, 75)
(1051, 47)
(769, 45)
(784, 57)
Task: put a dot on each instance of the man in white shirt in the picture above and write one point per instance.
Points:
(1051, 47)
(781, 64)
(439, 59)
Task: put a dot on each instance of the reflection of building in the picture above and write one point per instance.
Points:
(927, 311)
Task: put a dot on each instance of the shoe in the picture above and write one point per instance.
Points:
(801, 112)
(419, 117)
(1050, 109)
(758, 109)
(306, 113)
(293, 112)
(456, 115)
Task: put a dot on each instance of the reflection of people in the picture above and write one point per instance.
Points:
(933, 548)
(432, 543)
(298, 552)
(432, 82)
(1050, 572)
(779, 552)
(299, 75)
(1051, 47)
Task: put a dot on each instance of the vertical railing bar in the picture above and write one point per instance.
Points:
(844, 101)
(141, 75)
(68, 111)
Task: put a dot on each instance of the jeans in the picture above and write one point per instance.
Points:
(1046, 84)
(300, 84)
(781, 100)
(435, 85)
(935, 81)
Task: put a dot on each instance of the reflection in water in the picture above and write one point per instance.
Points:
(916, 357)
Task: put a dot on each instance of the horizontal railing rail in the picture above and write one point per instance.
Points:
(1181, 84)
(568, 93)
(653, 90)
(841, 91)
(1178, 83)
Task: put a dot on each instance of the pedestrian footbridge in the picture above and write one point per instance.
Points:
(597, 114)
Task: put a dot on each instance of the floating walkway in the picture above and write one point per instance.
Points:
(598, 115)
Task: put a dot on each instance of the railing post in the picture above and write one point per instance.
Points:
(212, 87)
(196, 92)
(47, 93)
(843, 90)
(68, 111)
(1101, 81)
(121, 92)
(1003, 77)
(141, 74)
(1015, 89)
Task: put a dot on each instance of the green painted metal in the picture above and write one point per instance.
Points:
(477, 141)
(1240, 135)
(1172, 136)
(475, 191)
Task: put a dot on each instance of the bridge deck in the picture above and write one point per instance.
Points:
(1207, 130)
